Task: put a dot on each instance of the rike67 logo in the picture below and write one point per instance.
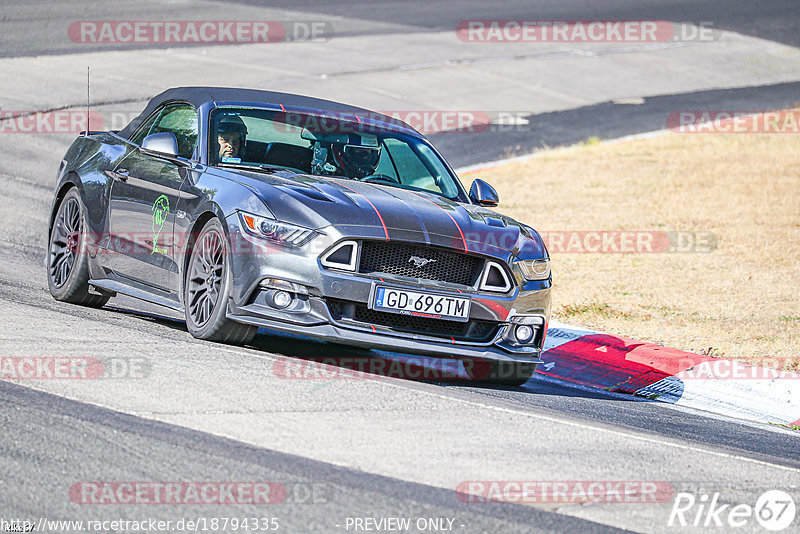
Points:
(774, 510)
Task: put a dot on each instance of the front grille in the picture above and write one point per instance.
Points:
(474, 331)
(395, 259)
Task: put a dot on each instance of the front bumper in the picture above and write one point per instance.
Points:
(408, 343)
(310, 314)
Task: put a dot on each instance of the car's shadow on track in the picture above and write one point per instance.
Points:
(328, 361)
(320, 360)
(300, 357)
(164, 320)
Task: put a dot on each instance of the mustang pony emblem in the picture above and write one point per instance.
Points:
(420, 262)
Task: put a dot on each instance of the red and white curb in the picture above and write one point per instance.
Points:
(726, 387)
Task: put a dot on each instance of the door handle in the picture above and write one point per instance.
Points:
(123, 174)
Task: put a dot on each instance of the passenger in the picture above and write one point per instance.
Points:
(355, 161)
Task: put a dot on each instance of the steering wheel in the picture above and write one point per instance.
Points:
(380, 178)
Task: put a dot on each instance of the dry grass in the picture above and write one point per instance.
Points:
(742, 300)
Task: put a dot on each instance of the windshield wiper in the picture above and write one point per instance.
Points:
(253, 167)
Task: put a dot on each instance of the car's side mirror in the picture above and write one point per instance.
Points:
(483, 193)
(161, 144)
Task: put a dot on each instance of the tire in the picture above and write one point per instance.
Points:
(206, 289)
(67, 261)
(502, 373)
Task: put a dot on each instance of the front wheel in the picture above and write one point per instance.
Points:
(67, 261)
(206, 290)
(502, 373)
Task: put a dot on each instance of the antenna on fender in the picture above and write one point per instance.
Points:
(86, 132)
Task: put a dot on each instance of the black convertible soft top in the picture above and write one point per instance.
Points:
(197, 96)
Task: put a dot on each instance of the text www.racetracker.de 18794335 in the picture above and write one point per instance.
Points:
(184, 524)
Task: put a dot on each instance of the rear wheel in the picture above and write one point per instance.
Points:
(208, 282)
(503, 373)
(67, 263)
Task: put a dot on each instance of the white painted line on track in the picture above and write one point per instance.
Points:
(662, 441)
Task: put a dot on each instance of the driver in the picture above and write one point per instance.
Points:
(355, 161)
(231, 136)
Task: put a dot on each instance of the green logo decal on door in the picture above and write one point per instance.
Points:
(160, 211)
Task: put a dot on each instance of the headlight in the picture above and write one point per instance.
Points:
(276, 231)
(535, 269)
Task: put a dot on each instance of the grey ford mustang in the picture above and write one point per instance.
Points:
(246, 209)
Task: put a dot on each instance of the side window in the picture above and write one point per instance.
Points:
(144, 128)
(181, 120)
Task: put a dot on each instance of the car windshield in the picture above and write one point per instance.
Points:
(326, 146)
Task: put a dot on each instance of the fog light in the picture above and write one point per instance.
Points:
(291, 287)
(281, 299)
(523, 333)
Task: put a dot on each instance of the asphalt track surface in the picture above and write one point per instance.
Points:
(608, 120)
(38, 28)
(34, 25)
(374, 448)
(319, 495)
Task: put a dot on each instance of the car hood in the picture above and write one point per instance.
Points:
(399, 214)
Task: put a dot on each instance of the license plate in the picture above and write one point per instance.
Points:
(421, 304)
